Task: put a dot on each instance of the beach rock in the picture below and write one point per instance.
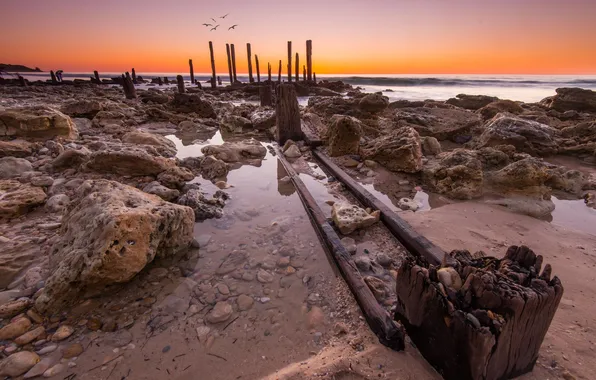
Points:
(16, 148)
(378, 288)
(18, 363)
(263, 119)
(12, 308)
(244, 302)
(128, 161)
(39, 368)
(373, 103)
(457, 174)
(11, 167)
(36, 123)
(18, 199)
(56, 369)
(344, 135)
(408, 204)
(203, 207)
(212, 168)
(471, 102)
(349, 244)
(315, 317)
(493, 158)
(527, 176)
(62, 333)
(580, 138)
(453, 124)
(525, 135)
(161, 191)
(348, 218)
(107, 236)
(82, 108)
(175, 177)
(570, 181)
(431, 146)
(220, 313)
(30, 336)
(313, 126)
(264, 277)
(234, 124)
(398, 151)
(329, 106)
(531, 206)
(15, 328)
(72, 351)
(70, 158)
(57, 203)
(165, 147)
(449, 278)
(576, 99)
(107, 119)
(187, 103)
(491, 110)
(292, 152)
(237, 151)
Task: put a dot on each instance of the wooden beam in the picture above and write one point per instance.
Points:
(258, 71)
(234, 63)
(309, 59)
(379, 320)
(249, 56)
(229, 64)
(180, 81)
(213, 75)
(289, 61)
(192, 72)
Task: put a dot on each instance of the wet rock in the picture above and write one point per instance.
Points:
(471, 102)
(263, 119)
(264, 277)
(82, 108)
(70, 158)
(129, 162)
(62, 333)
(36, 123)
(203, 207)
(187, 103)
(11, 167)
(408, 204)
(165, 147)
(56, 369)
(18, 363)
(47, 349)
(234, 124)
(315, 317)
(384, 260)
(457, 174)
(575, 99)
(378, 288)
(348, 218)
(108, 236)
(398, 151)
(16, 148)
(344, 135)
(161, 191)
(431, 146)
(15, 329)
(12, 308)
(72, 351)
(579, 139)
(236, 151)
(175, 177)
(491, 110)
(373, 103)
(30, 336)
(349, 244)
(534, 207)
(527, 176)
(203, 240)
(17, 199)
(39, 368)
(220, 313)
(293, 152)
(244, 302)
(449, 278)
(212, 168)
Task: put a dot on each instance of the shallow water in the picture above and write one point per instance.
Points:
(574, 214)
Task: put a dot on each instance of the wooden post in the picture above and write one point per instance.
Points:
(192, 72)
(248, 53)
(269, 71)
(180, 81)
(134, 76)
(213, 76)
(289, 61)
(304, 73)
(234, 63)
(297, 67)
(265, 95)
(22, 81)
(159, 81)
(314, 77)
(287, 114)
(279, 74)
(309, 59)
(53, 76)
(96, 74)
(166, 80)
(229, 63)
(129, 88)
(258, 71)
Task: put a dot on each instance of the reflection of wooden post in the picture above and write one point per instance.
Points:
(258, 71)
(53, 76)
(234, 63)
(192, 72)
(265, 95)
(269, 71)
(128, 86)
(213, 77)
(297, 67)
(250, 78)
(279, 74)
(134, 76)
(289, 61)
(287, 114)
(180, 81)
(96, 74)
(229, 63)
(304, 72)
(309, 59)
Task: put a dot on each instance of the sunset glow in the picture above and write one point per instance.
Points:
(350, 36)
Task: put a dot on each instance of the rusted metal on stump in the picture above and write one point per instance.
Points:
(213, 76)
(309, 59)
(134, 76)
(269, 71)
(287, 114)
(249, 55)
(379, 320)
(192, 71)
(304, 72)
(229, 63)
(279, 73)
(53, 77)
(234, 63)
(129, 88)
(414, 242)
(289, 61)
(493, 326)
(297, 67)
(180, 81)
(266, 96)
(258, 70)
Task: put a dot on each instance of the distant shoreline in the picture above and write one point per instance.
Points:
(18, 68)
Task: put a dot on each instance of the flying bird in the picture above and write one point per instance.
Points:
(232, 27)
(207, 24)
(215, 27)
(213, 19)
(224, 16)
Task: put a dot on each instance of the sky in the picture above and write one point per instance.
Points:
(349, 36)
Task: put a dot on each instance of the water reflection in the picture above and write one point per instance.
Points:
(574, 214)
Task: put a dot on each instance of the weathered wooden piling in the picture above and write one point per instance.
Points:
(180, 81)
(249, 56)
(53, 77)
(304, 72)
(309, 59)
(297, 67)
(229, 63)
(289, 61)
(166, 80)
(22, 81)
(234, 63)
(279, 73)
(134, 76)
(287, 114)
(129, 88)
(159, 81)
(266, 96)
(96, 75)
(314, 77)
(269, 71)
(213, 75)
(258, 70)
(192, 72)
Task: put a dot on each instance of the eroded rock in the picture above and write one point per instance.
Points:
(457, 174)
(348, 218)
(343, 135)
(36, 123)
(17, 198)
(399, 151)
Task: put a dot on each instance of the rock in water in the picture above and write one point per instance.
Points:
(36, 123)
(108, 235)
(39, 368)
(203, 207)
(220, 313)
(29, 336)
(348, 218)
(236, 151)
(244, 302)
(408, 204)
(161, 191)
(293, 152)
(18, 363)
(165, 147)
(128, 161)
(399, 151)
(344, 135)
(54, 370)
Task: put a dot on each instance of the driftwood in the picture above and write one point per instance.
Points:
(129, 88)
(265, 94)
(134, 76)
(248, 54)
(309, 59)
(289, 61)
(489, 328)
(229, 63)
(379, 320)
(234, 63)
(180, 81)
(258, 70)
(192, 72)
(213, 76)
(287, 113)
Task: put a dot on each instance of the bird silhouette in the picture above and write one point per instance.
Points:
(213, 19)
(207, 24)
(224, 16)
(215, 27)
(233, 27)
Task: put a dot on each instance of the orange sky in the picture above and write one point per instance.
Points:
(349, 36)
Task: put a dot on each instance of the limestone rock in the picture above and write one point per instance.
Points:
(373, 103)
(62, 333)
(36, 123)
(30, 336)
(108, 235)
(187, 103)
(203, 207)
(16, 148)
(449, 278)
(235, 124)
(17, 199)
(12, 308)
(576, 99)
(18, 363)
(329, 106)
(39, 368)
(408, 204)
(348, 218)
(344, 135)
(471, 102)
(293, 152)
(264, 277)
(399, 151)
(220, 313)
(165, 147)
(263, 119)
(70, 158)
(212, 168)
(378, 288)
(532, 206)
(491, 110)
(73, 350)
(11, 167)
(15, 329)
(457, 174)
(237, 151)
(105, 119)
(130, 161)
(431, 146)
(161, 191)
(455, 124)
(175, 177)
(82, 108)
(580, 138)
(56, 369)
(57, 203)
(527, 176)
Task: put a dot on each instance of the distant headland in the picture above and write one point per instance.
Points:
(18, 68)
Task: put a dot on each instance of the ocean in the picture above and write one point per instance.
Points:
(526, 88)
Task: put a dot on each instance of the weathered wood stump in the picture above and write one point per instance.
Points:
(229, 63)
(192, 72)
(314, 77)
(269, 71)
(213, 76)
(134, 76)
(304, 72)
(159, 81)
(309, 59)
(266, 96)
(289, 61)
(297, 67)
(129, 88)
(248, 54)
(234, 63)
(287, 114)
(180, 81)
(482, 318)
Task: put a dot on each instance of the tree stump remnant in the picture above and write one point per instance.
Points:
(213, 76)
(249, 55)
(287, 114)
(22, 81)
(279, 73)
(180, 81)
(159, 81)
(269, 71)
(297, 67)
(166, 80)
(96, 77)
(304, 73)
